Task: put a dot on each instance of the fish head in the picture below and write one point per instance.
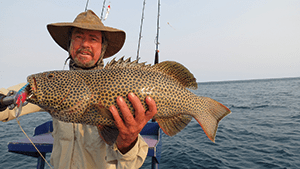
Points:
(59, 91)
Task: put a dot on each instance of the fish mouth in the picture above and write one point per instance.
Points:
(31, 89)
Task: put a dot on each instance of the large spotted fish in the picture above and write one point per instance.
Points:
(85, 96)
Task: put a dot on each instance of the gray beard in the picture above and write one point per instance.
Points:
(87, 65)
(74, 66)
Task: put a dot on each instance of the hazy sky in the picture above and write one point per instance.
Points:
(215, 39)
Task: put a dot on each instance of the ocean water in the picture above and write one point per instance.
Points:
(263, 130)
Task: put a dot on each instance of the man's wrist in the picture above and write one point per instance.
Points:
(123, 148)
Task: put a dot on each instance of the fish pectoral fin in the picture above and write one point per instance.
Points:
(108, 134)
(105, 112)
(173, 125)
(94, 115)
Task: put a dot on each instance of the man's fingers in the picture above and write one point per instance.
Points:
(139, 109)
(152, 108)
(127, 116)
(140, 115)
(118, 120)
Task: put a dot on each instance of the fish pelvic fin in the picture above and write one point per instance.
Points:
(208, 114)
(179, 72)
(108, 134)
(103, 119)
(173, 125)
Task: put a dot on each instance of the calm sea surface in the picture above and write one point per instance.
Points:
(263, 130)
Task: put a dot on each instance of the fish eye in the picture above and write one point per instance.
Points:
(50, 75)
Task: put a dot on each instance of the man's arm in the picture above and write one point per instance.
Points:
(130, 128)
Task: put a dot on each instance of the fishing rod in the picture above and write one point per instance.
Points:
(102, 10)
(87, 2)
(141, 28)
(157, 35)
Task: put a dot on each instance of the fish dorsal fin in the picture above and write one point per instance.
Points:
(170, 68)
(178, 72)
(121, 63)
(117, 64)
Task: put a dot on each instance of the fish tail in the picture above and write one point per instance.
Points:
(208, 114)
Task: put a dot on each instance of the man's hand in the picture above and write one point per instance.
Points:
(131, 127)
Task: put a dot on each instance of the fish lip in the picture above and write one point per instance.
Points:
(31, 89)
(34, 88)
(32, 84)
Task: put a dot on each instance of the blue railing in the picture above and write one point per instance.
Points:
(43, 140)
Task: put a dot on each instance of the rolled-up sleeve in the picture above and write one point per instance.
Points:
(132, 159)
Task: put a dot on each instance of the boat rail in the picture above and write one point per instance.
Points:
(43, 140)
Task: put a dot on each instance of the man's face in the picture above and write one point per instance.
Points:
(85, 47)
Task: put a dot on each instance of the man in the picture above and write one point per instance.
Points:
(88, 42)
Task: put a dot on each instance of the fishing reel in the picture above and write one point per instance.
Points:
(9, 100)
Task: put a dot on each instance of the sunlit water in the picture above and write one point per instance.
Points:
(261, 132)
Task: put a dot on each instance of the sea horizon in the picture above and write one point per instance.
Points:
(254, 79)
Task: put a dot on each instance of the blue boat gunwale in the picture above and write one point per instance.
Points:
(43, 140)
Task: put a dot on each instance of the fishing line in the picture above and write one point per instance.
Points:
(33, 144)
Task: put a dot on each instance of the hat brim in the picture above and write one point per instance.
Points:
(115, 37)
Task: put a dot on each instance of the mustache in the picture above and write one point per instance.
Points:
(81, 50)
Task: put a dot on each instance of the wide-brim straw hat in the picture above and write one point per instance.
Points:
(88, 20)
